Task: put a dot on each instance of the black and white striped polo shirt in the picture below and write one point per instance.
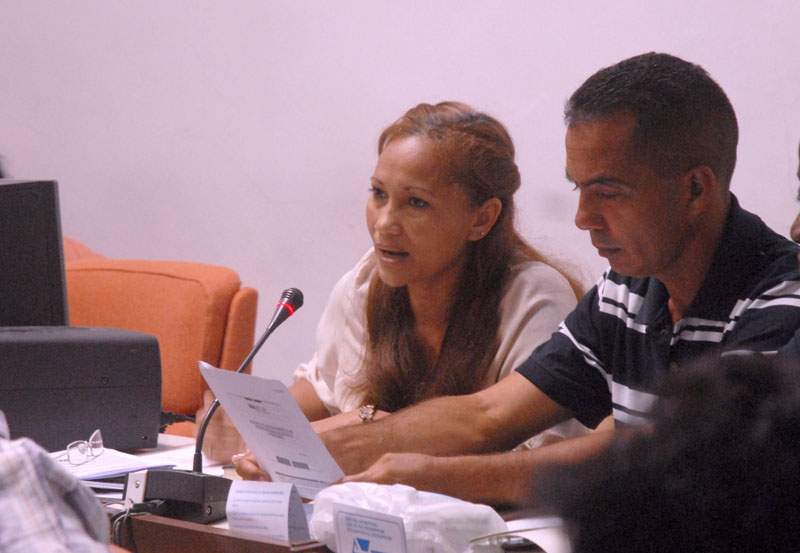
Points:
(610, 354)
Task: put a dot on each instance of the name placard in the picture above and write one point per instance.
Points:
(270, 509)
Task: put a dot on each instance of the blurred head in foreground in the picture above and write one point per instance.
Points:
(718, 471)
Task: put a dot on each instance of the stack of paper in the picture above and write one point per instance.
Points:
(109, 464)
(106, 473)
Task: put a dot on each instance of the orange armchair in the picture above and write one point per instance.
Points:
(197, 312)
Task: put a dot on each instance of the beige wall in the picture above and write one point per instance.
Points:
(243, 133)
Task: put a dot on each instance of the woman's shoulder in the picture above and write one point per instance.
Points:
(360, 275)
(365, 268)
(353, 286)
(538, 277)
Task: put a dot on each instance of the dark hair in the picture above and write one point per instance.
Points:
(719, 470)
(683, 119)
(474, 151)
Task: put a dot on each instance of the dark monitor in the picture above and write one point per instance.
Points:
(33, 289)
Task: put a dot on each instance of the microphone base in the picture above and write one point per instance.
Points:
(191, 496)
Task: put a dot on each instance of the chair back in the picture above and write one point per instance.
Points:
(197, 312)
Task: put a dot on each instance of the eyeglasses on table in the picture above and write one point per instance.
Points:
(83, 451)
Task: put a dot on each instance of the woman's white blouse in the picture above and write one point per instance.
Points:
(536, 300)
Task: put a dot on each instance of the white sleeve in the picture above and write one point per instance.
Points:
(340, 339)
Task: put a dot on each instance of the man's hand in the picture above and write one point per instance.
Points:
(412, 469)
(476, 478)
(502, 479)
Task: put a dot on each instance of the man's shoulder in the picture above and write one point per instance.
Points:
(749, 236)
(751, 258)
(768, 260)
(754, 284)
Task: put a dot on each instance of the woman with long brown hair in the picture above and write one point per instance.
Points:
(450, 299)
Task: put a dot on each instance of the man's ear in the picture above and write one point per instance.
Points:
(485, 218)
(702, 185)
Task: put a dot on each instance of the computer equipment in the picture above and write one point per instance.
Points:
(60, 384)
(32, 278)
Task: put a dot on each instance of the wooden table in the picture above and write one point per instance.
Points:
(145, 533)
(155, 534)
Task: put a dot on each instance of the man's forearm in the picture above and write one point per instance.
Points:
(441, 426)
(504, 479)
(496, 418)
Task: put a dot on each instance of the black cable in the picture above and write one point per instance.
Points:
(118, 520)
(131, 538)
(168, 417)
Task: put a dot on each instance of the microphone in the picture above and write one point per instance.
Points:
(291, 300)
(192, 495)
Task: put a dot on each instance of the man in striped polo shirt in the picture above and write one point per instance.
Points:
(651, 148)
(651, 145)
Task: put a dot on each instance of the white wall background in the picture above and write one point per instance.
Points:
(243, 133)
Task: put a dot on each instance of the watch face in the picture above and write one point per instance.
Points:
(366, 412)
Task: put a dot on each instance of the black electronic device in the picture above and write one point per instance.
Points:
(191, 496)
(60, 383)
(32, 278)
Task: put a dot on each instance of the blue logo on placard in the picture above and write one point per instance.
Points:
(360, 545)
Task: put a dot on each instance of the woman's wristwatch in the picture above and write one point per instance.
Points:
(366, 412)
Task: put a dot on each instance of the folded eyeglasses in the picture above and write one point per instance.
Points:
(83, 451)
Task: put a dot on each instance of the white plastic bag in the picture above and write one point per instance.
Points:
(433, 523)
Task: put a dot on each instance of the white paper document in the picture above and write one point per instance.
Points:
(275, 429)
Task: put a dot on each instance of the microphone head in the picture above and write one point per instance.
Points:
(293, 298)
